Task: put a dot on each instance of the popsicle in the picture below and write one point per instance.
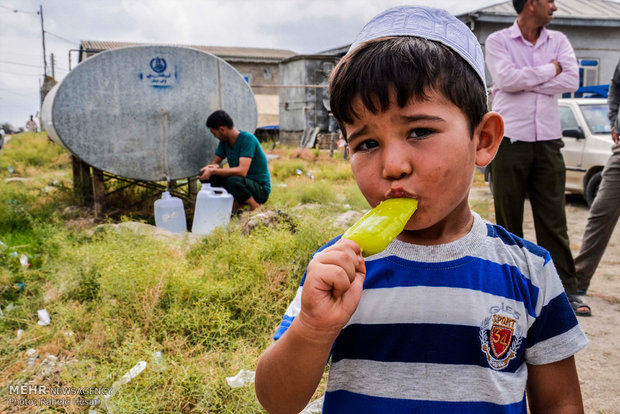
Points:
(378, 227)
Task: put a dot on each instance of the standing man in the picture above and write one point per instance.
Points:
(605, 210)
(530, 65)
(31, 125)
(247, 176)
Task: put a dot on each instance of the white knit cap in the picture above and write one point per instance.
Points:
(428, 23)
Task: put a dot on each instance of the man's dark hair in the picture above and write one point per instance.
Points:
(218, 119)
(410, 66)
(518, 5)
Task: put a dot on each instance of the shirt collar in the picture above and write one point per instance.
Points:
(515, 32)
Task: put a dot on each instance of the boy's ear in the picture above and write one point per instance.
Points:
(489, 134)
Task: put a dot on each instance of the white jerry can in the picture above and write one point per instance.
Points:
(170, 214)
(213, 209)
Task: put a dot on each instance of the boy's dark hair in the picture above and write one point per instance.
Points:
(518, 5)
(411, 66)
(219, 118)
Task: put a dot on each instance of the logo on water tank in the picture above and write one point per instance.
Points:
(160, 72)
(158, 64)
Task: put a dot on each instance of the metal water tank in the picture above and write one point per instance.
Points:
(139, 112)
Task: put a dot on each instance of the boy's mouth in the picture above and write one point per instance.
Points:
(399, 192)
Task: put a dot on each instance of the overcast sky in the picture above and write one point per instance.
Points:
(303, 26)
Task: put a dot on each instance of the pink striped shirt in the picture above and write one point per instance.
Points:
(525, 86)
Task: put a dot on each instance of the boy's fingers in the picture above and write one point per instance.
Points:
(340, 282)
(345, 259)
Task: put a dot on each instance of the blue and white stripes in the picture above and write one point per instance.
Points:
(450, 327)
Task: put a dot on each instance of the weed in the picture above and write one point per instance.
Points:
(115, 295)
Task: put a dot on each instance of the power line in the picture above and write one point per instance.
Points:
(61, 38)
(20, 64)
(19, 74)
(13, 10)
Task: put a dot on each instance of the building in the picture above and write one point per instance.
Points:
(592, 26)
(304, 101)
(259, 67)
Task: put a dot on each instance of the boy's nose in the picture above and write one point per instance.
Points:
(396, 163)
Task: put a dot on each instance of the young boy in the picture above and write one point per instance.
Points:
(456, 315)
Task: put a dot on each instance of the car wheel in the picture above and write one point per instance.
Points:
(591, 188)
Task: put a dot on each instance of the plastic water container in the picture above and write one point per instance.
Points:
(213, 209)
(170, 214)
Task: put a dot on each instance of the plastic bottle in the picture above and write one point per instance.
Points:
(213, 209)
(170, 214)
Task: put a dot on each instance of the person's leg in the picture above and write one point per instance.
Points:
(216, 181)
(604, 214)
(246, 191)
(509, 174)
(547, 197)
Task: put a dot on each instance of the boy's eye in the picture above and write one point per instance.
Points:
(420, 132)
(366, 145)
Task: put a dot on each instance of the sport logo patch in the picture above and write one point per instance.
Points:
(500, 336)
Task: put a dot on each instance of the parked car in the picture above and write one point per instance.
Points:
(587, 144)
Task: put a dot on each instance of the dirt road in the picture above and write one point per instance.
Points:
(599, 363)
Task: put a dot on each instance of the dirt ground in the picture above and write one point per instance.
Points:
(599, 363)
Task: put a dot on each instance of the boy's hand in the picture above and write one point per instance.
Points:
(332, 290)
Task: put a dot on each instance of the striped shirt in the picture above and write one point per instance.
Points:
(450, 328)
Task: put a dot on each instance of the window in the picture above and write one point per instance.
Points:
(588, 72)
(567, 118)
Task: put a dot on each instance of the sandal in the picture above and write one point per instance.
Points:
(580, 308)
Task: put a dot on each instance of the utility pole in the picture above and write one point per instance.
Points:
(43, 39)
(53, 62)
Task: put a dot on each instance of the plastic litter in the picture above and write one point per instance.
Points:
(309, 174)
(32, 356)
(243, 378)
(131, 374)
(48, 365)
(7, 309)
(20, 333)
(11, 170)
(315, 407)
(23, 259)
(298, 171)
(159, 363)
(44, 317)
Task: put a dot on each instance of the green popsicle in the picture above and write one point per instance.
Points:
(378, 227)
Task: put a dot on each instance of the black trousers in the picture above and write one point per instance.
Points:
(535, 169)
(241, 188)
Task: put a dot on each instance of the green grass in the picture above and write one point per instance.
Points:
(116, 295)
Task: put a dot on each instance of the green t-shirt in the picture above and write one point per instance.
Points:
(247, 145)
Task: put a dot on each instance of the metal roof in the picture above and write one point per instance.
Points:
(570, 12)
(230, 54)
